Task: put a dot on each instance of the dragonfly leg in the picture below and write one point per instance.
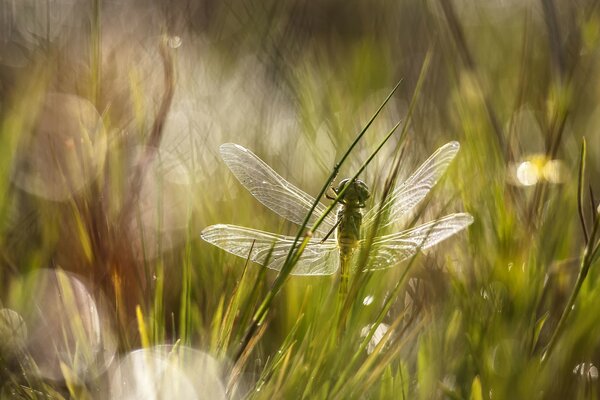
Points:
(331, 230)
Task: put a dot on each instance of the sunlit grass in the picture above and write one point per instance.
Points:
(115, 264)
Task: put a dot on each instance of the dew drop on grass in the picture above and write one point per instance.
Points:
(528, 173)
(368, 300)
(174, 41)
(586, 370)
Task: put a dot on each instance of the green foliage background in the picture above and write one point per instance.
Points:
(295, 82)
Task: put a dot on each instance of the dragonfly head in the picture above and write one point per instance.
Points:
(356, 193)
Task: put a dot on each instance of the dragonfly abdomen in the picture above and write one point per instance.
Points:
(348, 231)
(348, 237)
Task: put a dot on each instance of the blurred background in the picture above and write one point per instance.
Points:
(111, 117)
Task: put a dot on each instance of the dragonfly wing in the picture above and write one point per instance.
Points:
(318, 258)
(389, 250)
(268, 187)
(410, 193)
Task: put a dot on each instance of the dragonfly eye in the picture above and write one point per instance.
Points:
(362, 190)
(344, 182)
(341, 185)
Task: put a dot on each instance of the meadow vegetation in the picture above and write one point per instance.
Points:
(111, 118)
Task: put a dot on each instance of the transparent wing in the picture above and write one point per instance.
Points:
(268, 187)
(389, 250)
(317, 259)
(410, 193)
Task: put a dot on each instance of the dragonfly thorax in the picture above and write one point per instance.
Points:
(350, 214)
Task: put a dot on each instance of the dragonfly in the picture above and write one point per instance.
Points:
(336, 242)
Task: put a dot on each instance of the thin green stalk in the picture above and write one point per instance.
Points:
(592, 202)
(344, 284)
(362, 262)
(255, 322)
(580, 183)
(96, 55)
(457, 31)
(586, 263)
(382, 313)
(185, 298)
(390, 182)
(370, 238)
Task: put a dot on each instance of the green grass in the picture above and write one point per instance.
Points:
(505, 309)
